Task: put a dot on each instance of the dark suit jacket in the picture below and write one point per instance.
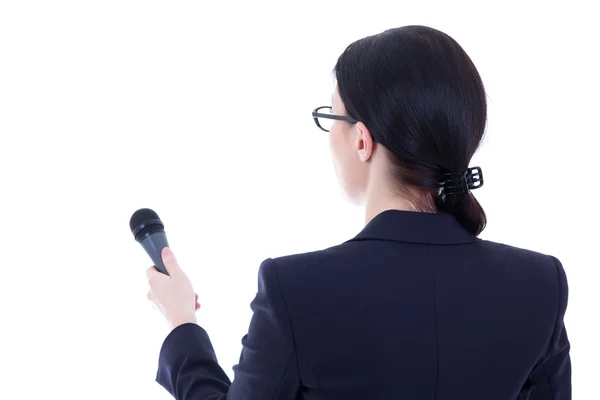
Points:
(414, 307)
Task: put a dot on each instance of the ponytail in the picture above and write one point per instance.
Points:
(448, 192)
(465, 208)
(455, 198)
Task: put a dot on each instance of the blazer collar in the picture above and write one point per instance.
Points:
(415, 227)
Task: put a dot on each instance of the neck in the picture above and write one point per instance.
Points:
(379, 198)
(377, 204)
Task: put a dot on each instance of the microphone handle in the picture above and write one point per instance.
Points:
(154, 244)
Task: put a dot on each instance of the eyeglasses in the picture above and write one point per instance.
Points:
(324, 118)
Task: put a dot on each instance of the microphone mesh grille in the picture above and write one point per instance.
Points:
(141, 216)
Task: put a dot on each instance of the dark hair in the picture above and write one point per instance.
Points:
(421, 97)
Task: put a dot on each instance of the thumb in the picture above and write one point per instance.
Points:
(170, 261)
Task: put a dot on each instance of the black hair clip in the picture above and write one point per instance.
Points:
(462, 182)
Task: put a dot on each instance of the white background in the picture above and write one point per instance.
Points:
(201, 111)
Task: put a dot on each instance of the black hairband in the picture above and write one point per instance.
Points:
(462, 182)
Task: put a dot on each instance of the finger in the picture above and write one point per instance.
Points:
(153, 275)
(153, 272)
(196, 297)
(170, 261)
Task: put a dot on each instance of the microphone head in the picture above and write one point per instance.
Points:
(145, 222)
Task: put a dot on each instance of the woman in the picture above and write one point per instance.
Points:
(416, 306)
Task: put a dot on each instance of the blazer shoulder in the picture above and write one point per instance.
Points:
(308, 258)
(525, 260)
(306, 264)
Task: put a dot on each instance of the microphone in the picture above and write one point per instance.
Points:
(149, 231)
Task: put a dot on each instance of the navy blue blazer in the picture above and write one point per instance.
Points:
(414, 307)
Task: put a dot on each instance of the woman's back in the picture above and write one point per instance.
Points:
(416, 307)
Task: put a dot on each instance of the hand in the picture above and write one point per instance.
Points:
(172, 294)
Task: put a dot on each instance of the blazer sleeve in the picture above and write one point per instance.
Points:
(551, 379)
(267, 369)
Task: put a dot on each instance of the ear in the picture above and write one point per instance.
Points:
(364, 142)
